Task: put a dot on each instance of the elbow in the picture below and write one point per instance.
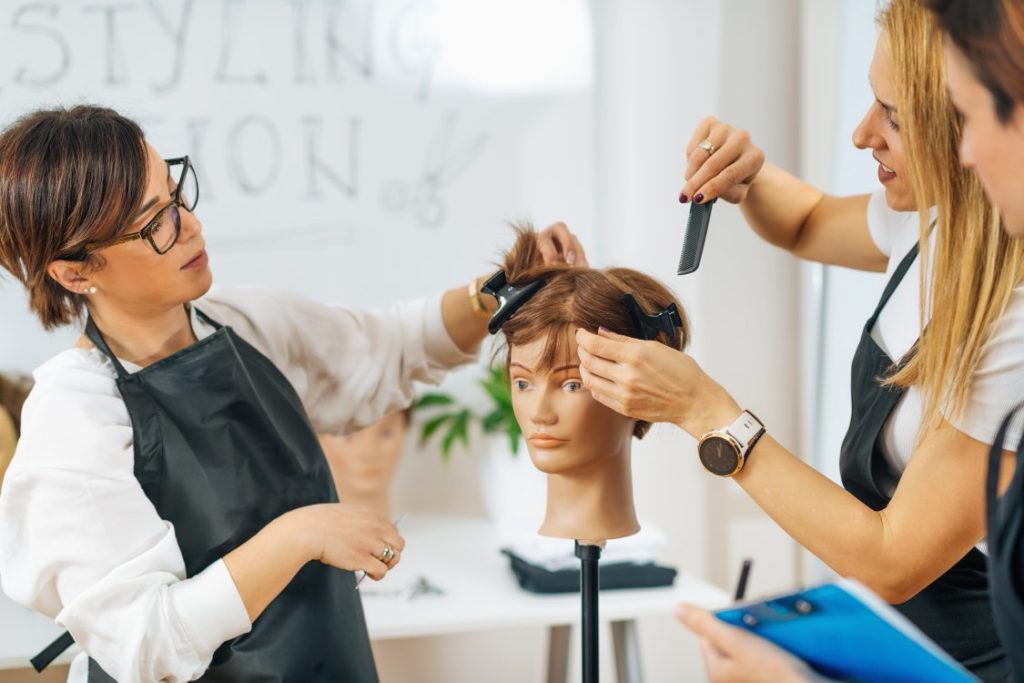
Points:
(895, 587)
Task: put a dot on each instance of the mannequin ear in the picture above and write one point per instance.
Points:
(68, 274)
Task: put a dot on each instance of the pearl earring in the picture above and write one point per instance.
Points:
(90, 290)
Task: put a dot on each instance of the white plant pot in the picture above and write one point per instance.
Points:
(513, 490)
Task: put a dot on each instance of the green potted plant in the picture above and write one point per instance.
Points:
(451, 420)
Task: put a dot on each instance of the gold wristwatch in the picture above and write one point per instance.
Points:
(724, 451)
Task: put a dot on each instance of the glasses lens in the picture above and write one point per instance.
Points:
(166, 232)
(189, 189)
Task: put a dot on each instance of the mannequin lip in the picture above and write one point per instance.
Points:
(542, 440)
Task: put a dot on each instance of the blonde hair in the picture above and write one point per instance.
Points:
(976, 265)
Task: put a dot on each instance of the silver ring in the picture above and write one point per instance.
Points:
(388, 554)
(707, 146)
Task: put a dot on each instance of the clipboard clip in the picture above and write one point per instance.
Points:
(789, 608)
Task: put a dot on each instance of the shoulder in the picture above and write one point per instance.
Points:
(74, 416)
(997, 384)
(1005, 349)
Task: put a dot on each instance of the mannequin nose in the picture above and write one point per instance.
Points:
(542, 413)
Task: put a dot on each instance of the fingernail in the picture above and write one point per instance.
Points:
(602, 329)
(681, 611)
(683, 199)
(570, 258)
(699, 198)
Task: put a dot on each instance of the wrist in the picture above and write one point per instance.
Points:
(299, 525)
(713, 415)
(483, 305)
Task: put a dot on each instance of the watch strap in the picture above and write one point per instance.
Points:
(746, 430)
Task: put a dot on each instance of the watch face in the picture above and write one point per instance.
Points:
(718, 456)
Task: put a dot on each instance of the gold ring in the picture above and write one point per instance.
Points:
(707, 146)
(388, 554)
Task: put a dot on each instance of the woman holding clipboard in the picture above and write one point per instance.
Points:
(985, 71)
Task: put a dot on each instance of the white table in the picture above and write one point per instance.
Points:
(459, 555)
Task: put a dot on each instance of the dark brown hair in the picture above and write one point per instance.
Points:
(573, 298)
(990, 33)
(68, 178)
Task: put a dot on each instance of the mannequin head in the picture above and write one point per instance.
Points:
(364, 463)
(13, 392)
(583, 446)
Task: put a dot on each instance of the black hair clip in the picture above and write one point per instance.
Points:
(510, 298)
(650, 326)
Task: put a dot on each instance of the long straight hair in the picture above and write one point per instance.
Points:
(976, 265)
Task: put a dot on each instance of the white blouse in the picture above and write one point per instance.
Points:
(81, 543)
(997, 384)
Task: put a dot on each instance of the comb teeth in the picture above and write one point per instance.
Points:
(693, 238)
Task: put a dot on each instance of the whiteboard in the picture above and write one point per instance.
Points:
(355, 151)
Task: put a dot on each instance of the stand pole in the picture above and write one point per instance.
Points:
(589, 587)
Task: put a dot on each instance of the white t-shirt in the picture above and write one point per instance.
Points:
(998, 382)
(81, 543)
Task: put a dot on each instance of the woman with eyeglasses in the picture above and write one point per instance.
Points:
(169, 503)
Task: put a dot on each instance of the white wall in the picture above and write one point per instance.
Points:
(837, 301)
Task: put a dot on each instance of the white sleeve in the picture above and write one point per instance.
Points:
(881, 220)
(349, 367)
(997, 385)
(81, 543)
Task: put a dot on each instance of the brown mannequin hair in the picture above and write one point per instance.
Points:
(574, 298)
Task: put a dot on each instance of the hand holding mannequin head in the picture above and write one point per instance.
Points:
(583, 446)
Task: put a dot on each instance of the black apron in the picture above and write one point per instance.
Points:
(222, 447)
(954, 610)
(1006, 549)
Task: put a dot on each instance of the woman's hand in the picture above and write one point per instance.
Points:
(352, 537)
(726, 173)
(558, 245)
(646, 380)
(733, 655)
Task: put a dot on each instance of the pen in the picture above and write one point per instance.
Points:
(360, 575)
(741, 584)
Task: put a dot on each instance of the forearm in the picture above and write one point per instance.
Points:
(778, 206)
(823, 517)
(265, 564)
(466, 326)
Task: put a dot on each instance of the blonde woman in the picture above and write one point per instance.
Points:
(925, 405)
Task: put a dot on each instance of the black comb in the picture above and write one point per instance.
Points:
(693, 239)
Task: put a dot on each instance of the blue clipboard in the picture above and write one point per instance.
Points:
(846, 632)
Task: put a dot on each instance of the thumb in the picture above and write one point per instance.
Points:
(706, 625)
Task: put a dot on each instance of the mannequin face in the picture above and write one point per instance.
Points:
(565, 429)
(879, 132)
(992, 148)
(364, 463)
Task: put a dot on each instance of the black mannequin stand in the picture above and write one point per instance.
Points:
(590, 585)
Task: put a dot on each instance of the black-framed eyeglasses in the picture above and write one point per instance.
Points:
(163, 230)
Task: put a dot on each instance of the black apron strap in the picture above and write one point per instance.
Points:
(995, 460)
(51, 652)
(894, 282)
(94, 335)
(208, 320)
